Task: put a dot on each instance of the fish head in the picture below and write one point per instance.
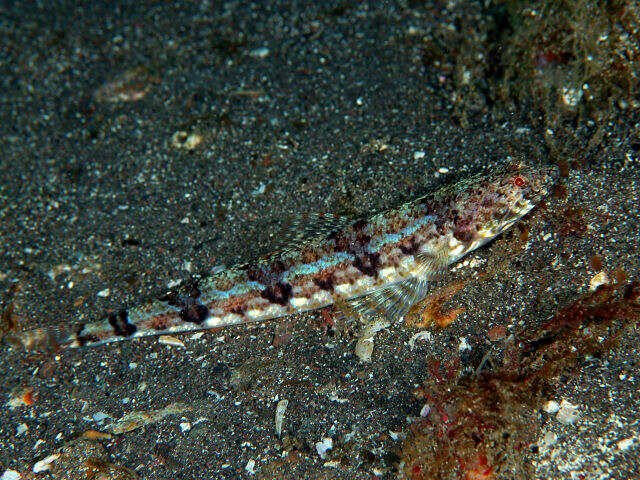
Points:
(494, 202)
(522, 187)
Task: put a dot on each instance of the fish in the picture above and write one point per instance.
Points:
(377, 265)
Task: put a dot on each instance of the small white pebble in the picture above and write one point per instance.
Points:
(45, 463)
(104, 293)
(260, 52)
(10, 475)
(323, 446)
(281, 407)
(133, 365)
(251, 465)
(100, 417)
(259, 190)
(169, 340)
(419, 155)
(546, 442)
(600, 278)
(551, 406)
(625, 444)
(22, 428)
(443, 170)
(185, 426)
(463, 345)
(568, 413)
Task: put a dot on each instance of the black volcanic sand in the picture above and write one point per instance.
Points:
(231, 118)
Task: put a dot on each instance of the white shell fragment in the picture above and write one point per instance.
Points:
(551, 406)
(280, 409)
(10, 475)
(364, 345)
(169, 340)
(44, 464)
(250, 468)
(625, 444)
(323, 446)
(568, 413)
(600, 278)
(423, 335)
(547, 441)
(137, 419)
(260, 52)
(185, 140)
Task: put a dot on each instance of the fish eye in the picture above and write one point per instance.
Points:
(519, 181)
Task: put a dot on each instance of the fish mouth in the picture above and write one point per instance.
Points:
(548, 176)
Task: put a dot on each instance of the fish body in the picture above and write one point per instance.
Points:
(375, 265)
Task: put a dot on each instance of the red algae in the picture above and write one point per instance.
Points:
(486, 425)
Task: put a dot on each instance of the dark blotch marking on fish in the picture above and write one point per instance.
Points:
(279, 293)
(465, 235)
(361, 238)
(326, 282)
(359, 225)
(267, 273)
(238, 309)
(161, 322)
(343, 243)
(194, 314)
(368, 264)
(409, 247)
(120, 324)
(84, 339)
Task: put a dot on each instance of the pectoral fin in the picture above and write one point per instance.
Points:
(395, 300)
(391, 302)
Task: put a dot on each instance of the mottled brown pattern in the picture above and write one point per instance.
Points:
(342, 241)
(326, 281)
(369, 264)
(194, 314)
(162, 322)
(280, 293)
(409, 246)
(267, 273)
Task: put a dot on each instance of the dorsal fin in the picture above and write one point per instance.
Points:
(310, 226)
